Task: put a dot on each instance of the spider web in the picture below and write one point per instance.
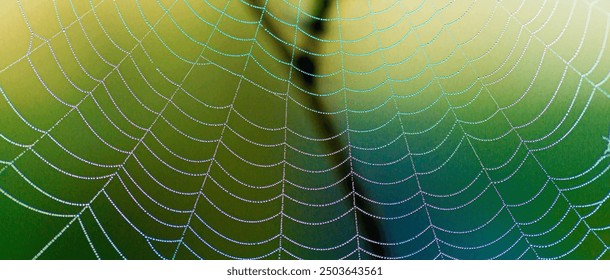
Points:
(180, 130)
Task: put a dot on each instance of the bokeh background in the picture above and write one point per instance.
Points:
(182, 129)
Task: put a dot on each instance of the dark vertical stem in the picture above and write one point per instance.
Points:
(308, 68)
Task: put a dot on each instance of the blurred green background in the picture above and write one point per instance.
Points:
(179, 129)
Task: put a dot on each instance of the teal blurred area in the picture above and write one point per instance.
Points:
(182, 129)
